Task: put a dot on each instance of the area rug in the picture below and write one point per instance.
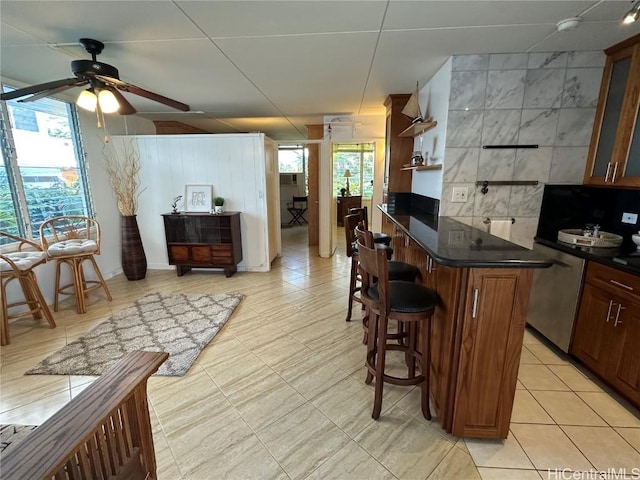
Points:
(10, 435)
(181, 325)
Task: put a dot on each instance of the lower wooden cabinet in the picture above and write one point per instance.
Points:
(202, 240)
(476, 340)
(607, 332)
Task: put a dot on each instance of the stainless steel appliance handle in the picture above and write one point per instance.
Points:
(606, 177)
(618, 284)
(474, 309)
(609, 311)
(618, 322)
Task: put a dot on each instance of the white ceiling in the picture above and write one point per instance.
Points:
(275, 66)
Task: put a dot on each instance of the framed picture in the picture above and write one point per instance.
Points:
(197, 198)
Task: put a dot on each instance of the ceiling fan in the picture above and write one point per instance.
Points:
(104, 86)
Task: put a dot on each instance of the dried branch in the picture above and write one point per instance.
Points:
(123, 167)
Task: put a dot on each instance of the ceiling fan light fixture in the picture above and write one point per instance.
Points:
(108, 101)
(632, 15)
(87, 100)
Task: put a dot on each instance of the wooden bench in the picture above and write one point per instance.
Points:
(104, 432)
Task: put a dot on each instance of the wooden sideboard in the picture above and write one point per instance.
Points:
(203, 240)
(344, 204)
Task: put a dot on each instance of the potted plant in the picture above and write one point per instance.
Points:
(218, 203)
(122, 164)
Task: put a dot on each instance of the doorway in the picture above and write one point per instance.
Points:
(353, 174)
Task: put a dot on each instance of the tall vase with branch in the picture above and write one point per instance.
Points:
(123, 167)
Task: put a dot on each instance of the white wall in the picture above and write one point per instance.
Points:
(434, 102)
(233, 163)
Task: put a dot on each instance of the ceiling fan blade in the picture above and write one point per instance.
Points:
(21, 92)
(47, 93)
(127, 87)
(125, 107)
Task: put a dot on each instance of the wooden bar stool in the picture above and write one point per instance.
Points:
(72, 241)
(19, 265)
(364, 216)
(410, 304)
(397, 270)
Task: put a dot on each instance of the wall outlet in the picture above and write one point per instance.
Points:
(631, 218)
(459, 194)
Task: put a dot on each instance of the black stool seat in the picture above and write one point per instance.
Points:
(382, 238)
(402, 271)
(407, 297)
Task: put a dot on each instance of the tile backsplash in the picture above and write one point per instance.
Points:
(546, 99)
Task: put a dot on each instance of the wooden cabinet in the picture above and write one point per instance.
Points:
(614, 152)
(202, 240)
(476, 340)
(607, 332)
(398, 149)
(344, 204)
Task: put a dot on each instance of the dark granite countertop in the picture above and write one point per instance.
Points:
(626, 259)
(455, 244)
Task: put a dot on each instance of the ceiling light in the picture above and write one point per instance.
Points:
(108, 101)
(633, 14)
(87, 100)
(568, 24)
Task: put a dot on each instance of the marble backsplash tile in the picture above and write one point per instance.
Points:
(505, 89)
(461, 165)
(568, 164)
(464, 128)
(500, 127)
(533, 164)
(547, 60)
(574, 127)
(543, 88)
(586, 59)
(538, 126)
(470, 62)
(508, 61)
(542, 98)
(468, 90)
(496, 164)
(581, 88)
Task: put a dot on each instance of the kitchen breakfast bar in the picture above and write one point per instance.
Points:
(483, 285)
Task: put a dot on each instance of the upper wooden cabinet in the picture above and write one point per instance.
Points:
(398, 149)
(614, 152)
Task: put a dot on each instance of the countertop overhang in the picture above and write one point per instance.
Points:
(454, 244)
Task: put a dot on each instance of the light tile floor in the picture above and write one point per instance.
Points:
(280, 392)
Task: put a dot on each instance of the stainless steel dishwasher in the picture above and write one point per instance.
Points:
(555, 293)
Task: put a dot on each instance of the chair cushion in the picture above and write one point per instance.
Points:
(23, 260)
(402, 271)
(408, 297)
(74, 246)
(382, 238)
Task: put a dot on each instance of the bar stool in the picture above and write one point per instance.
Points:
(397, 270)
(364, 215)
(410, 304)
(73, 240)
(19, 265)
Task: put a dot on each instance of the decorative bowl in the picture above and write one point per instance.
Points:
(636, 239)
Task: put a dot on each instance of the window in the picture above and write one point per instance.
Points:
(293, 159)
(43, 171)
(358, 158)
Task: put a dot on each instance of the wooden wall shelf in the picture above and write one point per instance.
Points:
(422, 167)
(417, 128)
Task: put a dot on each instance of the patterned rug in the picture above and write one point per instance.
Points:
(181, 325)
(10, 435)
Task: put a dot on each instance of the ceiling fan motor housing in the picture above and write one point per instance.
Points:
(90, 68)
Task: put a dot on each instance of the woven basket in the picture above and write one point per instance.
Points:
(576, 237)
